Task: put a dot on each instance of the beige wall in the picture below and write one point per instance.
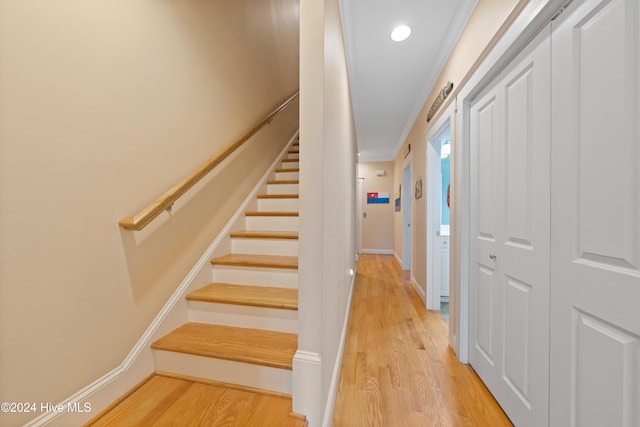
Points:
(103, 106)
(483, 25)
(377, 227)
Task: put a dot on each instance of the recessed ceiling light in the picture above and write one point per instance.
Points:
(401, 32)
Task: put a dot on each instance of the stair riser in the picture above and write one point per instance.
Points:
(244, 374)
(278, 205)
(282, 189)
(293, 156)
(244, 316)
(290, 164)
(276, 277)
(287, 247)
(268, 223)
(287, 175)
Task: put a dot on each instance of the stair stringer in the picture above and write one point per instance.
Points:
(140, 362)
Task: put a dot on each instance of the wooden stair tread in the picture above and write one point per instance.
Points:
(254, 296)
(268, 213)
(291, 235)
(283, 181)
(174, 400)
(288, 170)
(278, 196)
(265, 261)
(255, 346)
(290, 160)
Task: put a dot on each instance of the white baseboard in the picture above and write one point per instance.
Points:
(335, 378)
(377, 251)
(419, 290)
(307, 386)
(398, 259)
(139, 363)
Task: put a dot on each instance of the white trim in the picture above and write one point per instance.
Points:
(398, 259)
(307, 385)
(335, 378)
(418, 289)
(446, 118)
(377, 251)
(139, 363)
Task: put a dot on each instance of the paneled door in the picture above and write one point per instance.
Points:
(595, 243)
(510, 197)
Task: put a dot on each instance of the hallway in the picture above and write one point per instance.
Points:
(397, 368)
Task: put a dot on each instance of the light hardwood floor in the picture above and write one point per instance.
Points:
(397, 368)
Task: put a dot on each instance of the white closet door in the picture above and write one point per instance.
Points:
(510, 190)
(595, 244)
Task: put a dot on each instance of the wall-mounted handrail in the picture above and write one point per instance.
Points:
(162, 203)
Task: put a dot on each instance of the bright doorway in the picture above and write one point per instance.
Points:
(438, 219)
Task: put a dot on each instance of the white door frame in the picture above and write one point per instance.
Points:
(433, 160)
(407, 214)
(359, 214)
(532, 18)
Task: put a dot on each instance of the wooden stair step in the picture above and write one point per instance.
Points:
(268, 213)
(290, 235)
(264, 261)
(282, 170)
(283, 181)
(254, 296)
(255, 346)
(278, 196)
(290, 160)
(167, 399)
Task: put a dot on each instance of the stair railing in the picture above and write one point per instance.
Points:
(166, 201)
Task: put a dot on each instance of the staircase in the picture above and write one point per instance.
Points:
(242, 327)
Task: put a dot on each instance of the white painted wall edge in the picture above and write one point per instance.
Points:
(139, 363)
(335, 378)
(377, 251)
(307, 386)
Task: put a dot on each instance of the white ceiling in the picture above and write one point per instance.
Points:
(390, 81)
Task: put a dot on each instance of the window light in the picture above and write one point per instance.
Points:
(445, 150)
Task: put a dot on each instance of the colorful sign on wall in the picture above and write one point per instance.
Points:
(375, 198)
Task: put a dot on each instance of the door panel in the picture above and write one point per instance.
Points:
(510, 187)
(595, 268)
(519, 120)
(486, 306)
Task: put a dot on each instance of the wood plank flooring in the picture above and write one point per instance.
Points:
(165, 401)
(397, 368)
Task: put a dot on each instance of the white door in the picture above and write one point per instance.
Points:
(510, 196)
(595, 243)
(406, 217)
